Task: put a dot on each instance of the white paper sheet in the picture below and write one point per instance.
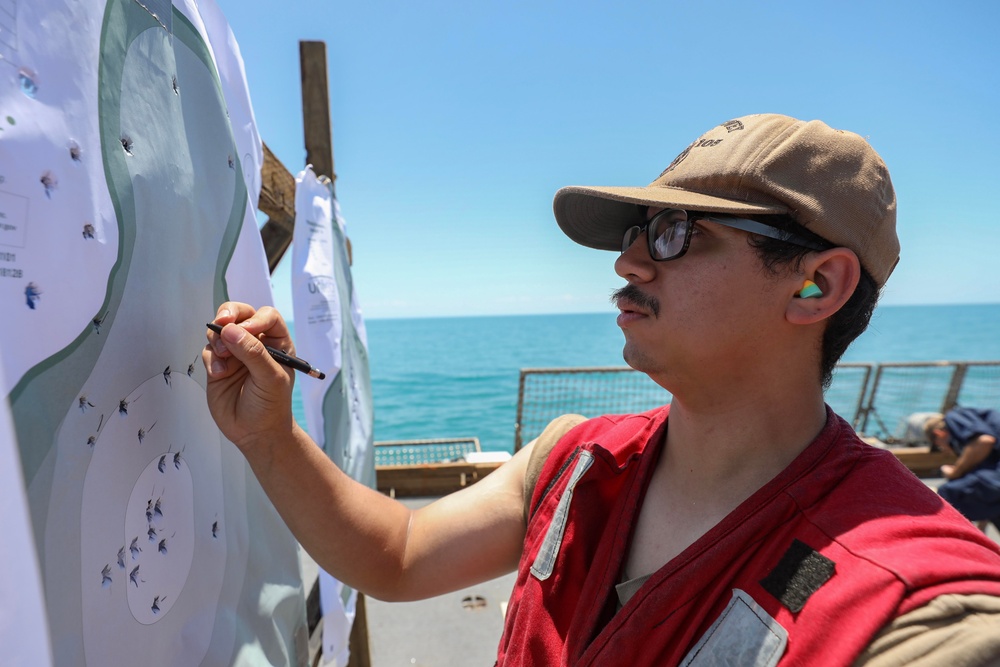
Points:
(24, 632)
(329, 332)
(124, 183)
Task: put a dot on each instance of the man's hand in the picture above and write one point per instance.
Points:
(974, 452)
(249, 394)
(363, 538)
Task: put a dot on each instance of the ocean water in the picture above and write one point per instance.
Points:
(458, 377)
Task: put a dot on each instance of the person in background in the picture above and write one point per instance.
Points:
(743, 524)
(973, 485)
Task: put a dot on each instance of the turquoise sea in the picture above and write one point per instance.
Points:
(458, 377)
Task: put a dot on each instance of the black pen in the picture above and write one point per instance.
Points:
(284, 358)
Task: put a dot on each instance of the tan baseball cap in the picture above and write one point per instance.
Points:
(830, 181)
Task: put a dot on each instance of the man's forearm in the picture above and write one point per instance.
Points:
(972, 455)
(352, 531)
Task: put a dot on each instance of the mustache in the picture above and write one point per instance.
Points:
(636, 296)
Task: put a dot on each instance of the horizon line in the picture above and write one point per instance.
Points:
(612, 312)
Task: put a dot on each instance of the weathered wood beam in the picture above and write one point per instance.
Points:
(316, 108)
(277, 200)
(429, 479)
(921, 461)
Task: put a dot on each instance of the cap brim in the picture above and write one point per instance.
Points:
(597, 217)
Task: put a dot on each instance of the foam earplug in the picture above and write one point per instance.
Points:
(810, 289)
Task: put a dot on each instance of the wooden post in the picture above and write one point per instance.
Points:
(951, 400)
(277, 200)
(316, 108)
(277, 192)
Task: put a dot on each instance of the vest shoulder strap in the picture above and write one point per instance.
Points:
(541, 448)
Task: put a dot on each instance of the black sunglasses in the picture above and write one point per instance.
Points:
(668, 233)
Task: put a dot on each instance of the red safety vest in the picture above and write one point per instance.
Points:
(808, 569)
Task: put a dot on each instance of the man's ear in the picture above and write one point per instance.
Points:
(836, 272)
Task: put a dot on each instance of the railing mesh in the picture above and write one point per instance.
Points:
(547, 393)
(880, 400)
(981, 386)
(848, 390)
(412, 452)
(901, 391)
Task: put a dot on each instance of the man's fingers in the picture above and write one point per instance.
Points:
(265, 324)
(266, 321)
(228, 313)
(214, 364)
(249, 350)
(234, 311)
(245, 332)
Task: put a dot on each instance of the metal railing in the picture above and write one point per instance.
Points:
(411, 452)
(901, 389)
(545, 393)
(876, 398)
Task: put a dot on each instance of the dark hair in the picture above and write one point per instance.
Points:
(843, 326)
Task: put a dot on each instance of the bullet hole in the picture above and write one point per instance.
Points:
(177, 88)
(28, 82)
(88, 231)
(232, 163)
(49, 182)
(127, 144)
(75, 153)
(32, 294)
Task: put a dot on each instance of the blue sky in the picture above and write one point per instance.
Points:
(454, 123)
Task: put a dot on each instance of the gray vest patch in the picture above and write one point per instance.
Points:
(744, 635)
(545, 561)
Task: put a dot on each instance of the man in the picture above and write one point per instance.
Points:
(745, 523)
(973, 485)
